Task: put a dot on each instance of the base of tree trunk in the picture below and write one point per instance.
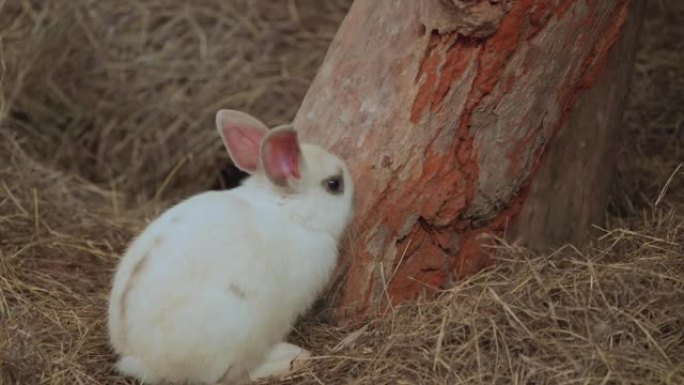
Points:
(461, 120)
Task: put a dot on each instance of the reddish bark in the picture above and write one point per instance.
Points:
(450, 115)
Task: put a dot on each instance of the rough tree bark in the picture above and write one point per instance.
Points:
(464, 118)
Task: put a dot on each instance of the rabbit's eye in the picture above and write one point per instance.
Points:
(334, 185)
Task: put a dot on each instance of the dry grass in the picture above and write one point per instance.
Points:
(106, 111)
(125, 92)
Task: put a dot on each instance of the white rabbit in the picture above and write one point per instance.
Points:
(210, 289)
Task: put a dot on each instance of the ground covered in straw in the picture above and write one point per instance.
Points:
(106, 118)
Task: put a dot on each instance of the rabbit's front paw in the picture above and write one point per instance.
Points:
(284, 358)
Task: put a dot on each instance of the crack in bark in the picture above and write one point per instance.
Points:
(476, 18)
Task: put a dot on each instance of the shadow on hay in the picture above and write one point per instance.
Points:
(106, 118)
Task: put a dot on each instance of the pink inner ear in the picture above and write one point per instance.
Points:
(243, 143)
(281, 156)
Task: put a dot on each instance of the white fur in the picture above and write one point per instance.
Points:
(221, 277)
(280, 360)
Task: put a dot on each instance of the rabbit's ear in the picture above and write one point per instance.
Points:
(281, 156)
(242, 135)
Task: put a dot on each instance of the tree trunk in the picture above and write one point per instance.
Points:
(465, 118)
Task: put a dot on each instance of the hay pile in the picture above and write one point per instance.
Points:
(106, 113)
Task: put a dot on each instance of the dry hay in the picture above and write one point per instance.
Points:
(124, 93)
(106, 115)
